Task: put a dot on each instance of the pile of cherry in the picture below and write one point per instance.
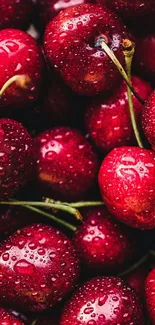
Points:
(77, 162)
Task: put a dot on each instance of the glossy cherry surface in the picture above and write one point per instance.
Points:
(127, 184)
(108, 120)
(72, 44)
(38, 267)
(103, 244)
(47, 9)
(103, 300)
(19, 55)
(17, 157)
(67, 164)
(6, 318)
(150, 294)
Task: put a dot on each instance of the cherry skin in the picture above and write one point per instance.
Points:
(17, 157)
(19, 55)
(135, 11)
(58, 103)
(39, 266)
(127, 184)
(72, 44)
(145, 56)
(7, 318)
(15, 14)
(67, 165)
(148, 119)
(150, 294)
(136, 280)
(27, 319)
(108, 120)
(13, 218)
(47, 9)
(103, 301)
(103, 244)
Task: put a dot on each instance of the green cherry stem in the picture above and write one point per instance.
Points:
(129, 50)
(77, 205)
(113, 57)
(34, 322)
(22, 81)
(152, 252)
(52, 217)
(55, 205)
(134, 266)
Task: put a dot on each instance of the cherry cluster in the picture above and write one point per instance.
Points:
(77, 162)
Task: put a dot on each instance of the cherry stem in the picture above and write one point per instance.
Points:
(152, 252)
(56, 205)
(52, 217)
(21, 80)
(134, 266)
(113, 57)
(81, 204)
(34, 322)
(128, 51)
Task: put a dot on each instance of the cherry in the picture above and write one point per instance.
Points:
(145, 56)
(72, 44)
(103, 300)
(58, 103)
(19, 55)
(7, 318)
(133, 11)
(67, 164)
(148, 119)
(136, 280)
(127, 184)
(108, 120)
(47, 9)
(103, 244)
(17, 157)
(150, 294)
(15, 14)
(13, 218)
(27, 319)
(39, 266)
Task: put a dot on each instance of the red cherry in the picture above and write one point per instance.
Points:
(72, 45)
(136, 280)
(39, 266)
(150, 294)
(58, 103)
(127, 184)
(103, 244)
(19, 55)
(108, 120)
(15, 14)
(67, 164)
(137, 11)
(47, 9)
(7, 318)
(17, 157)
(145, 56)
(148, 119)
(13, 218)
(103, 300)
